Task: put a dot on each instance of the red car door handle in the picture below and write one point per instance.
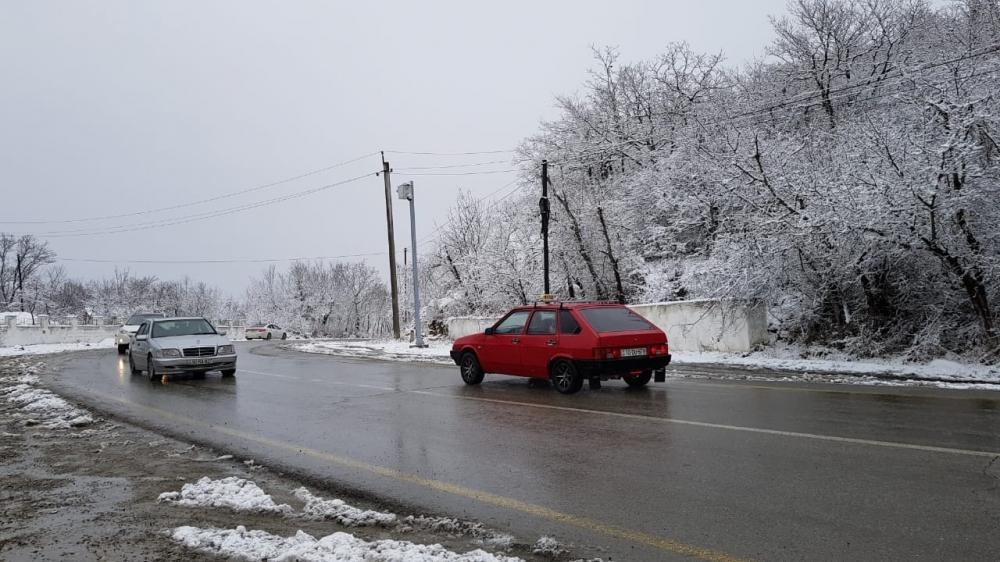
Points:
(515, 340)
(550, 343)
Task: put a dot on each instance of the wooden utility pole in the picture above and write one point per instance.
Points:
(393, 285)
(543, 206)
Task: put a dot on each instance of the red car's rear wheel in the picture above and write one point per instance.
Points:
(565, 378)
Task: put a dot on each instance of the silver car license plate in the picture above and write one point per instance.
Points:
(634, 352)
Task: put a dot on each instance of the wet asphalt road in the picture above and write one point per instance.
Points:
(685, 469)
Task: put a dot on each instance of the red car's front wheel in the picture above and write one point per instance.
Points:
(472, 372)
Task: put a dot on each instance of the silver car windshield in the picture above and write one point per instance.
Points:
(170, 328)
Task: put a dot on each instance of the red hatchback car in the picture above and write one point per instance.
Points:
(566, 343)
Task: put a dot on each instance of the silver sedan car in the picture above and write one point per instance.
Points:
(164, 346)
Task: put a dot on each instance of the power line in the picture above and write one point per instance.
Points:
(742, 119)
(881, 81)
(202, 216)
(430, 235)
(474, 164)
(221, 261)
(450, 153)
(458, 173)
(812, 99)
(202, 201)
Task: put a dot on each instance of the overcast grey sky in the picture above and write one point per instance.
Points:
(115, 107)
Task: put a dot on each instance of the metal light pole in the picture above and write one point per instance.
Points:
(405, 191)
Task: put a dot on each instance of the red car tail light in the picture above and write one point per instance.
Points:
(658, 349)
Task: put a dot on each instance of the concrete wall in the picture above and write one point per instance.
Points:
(708, 325)
(43, 332)
(13, 333)
(465, 325)
(699, 325)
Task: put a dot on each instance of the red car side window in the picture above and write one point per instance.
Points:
(513, 324)
(568, 324)
(543, 323)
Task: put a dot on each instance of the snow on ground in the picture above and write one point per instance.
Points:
(458, 527)
(790, 358)
(338, 547)
(339, 511)
(244, 495)
(232, 492)
(39, 406)
(392, 350)
(941, 372)
(43, 348)
(548, 546)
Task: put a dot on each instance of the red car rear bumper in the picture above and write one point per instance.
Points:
(617, 367)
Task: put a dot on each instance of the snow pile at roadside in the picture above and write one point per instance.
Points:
(39, 406)
(231, 492)
(436, 352)
(338, 547)
(347, 515)
(457, 527)
(548, 546)
(244, 495)
(790, 358)
(44, 348)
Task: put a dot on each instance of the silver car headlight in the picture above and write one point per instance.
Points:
(225, 350)
(170, 353)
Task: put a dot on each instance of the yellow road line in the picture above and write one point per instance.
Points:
(778, 432)
(639, 537)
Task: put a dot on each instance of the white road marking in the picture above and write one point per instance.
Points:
(324, 381)
(780, 433)
(747, 429)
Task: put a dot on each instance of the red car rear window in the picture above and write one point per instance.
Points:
(614, 319)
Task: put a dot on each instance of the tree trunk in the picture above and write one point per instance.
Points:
(619, 289)
(578, 235)
(972, 282)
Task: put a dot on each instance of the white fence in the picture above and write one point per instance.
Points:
(44, 332)
(699, 325)
(71, 331)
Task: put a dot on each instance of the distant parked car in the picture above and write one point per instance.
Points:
(130, 327)
(566, 343)
(164, 346)
(265, 332)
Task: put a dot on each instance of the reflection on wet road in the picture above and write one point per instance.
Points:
(686, 469)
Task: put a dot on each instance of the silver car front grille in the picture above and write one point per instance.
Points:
(199, 351)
